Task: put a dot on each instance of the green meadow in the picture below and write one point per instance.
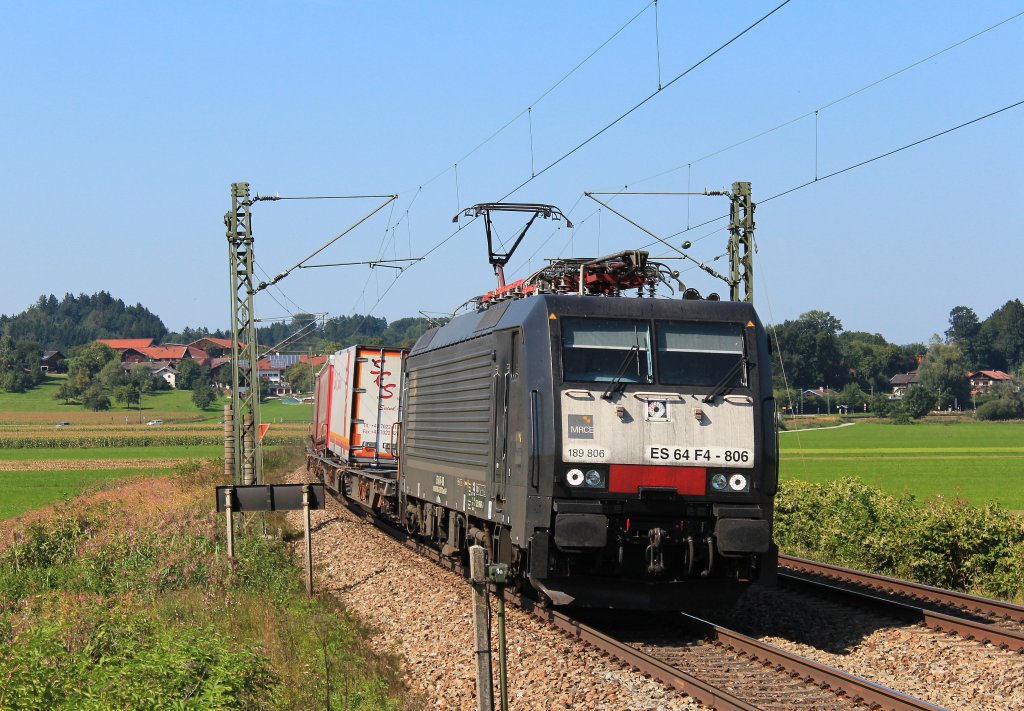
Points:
(26, 490)
(36, 476)
(976, 461)
(168, 405)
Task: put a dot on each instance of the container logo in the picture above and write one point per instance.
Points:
(581, 427)
(385, 388)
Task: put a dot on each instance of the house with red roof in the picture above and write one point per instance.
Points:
(983, 380)
(123, 344)
(216, 347)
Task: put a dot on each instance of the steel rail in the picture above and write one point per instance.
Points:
(913, 590)
(842, 683)
(854, 687)
(1002, 637)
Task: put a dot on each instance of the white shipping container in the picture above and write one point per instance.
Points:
(364, 403)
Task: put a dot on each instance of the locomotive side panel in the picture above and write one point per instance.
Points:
(448, 426)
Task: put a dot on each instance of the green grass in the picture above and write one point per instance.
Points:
(980, 462)
(38, 399)
(169, 452)
(27, 490)
(127, 602)
(173, 405)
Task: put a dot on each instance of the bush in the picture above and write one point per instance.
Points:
(946, 543)
(133, 604)
(918, 401)
(1000, 410)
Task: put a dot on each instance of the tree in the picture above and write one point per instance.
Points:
(96, 399)
(19, 365)
(852, 396)
(300, 376)
(942, 374)
(203, 395)
(809, 351)
(871, 360)
(65, 392)
(917, 403)
(129, 395)
(190, 373)
(964, 329)
(91, 358)
(879, 404)
(1002, 334)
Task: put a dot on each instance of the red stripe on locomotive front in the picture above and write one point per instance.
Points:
(628, 478)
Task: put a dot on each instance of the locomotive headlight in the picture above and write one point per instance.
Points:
(737, 482)
(719, 482)
(574, 477)
(594, 478)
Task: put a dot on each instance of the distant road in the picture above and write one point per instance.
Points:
(812, 429)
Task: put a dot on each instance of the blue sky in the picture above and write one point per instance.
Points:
(124, 125)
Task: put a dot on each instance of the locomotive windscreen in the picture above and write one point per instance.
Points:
(596, 350)
(700, 354)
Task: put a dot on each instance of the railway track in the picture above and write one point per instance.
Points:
(726, 669)
(716, 666)
(971, 617)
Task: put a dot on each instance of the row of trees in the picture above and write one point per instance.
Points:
(342, 331)
(19, 365)
(813, 351)
(77, 320)
(96, 378)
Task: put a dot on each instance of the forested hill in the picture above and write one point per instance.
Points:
(73, 321)
(76, 320)
(341, 332)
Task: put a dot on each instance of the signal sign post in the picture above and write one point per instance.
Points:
(272, 497)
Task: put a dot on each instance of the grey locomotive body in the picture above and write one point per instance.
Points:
(612, 451)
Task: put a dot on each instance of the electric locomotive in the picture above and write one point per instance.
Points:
(613, 451)
(612, 448)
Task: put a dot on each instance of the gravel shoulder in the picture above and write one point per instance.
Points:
(423, 613)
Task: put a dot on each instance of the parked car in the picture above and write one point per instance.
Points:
(155, 422)
(63, 424)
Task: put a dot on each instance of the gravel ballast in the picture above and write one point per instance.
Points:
(424, 614)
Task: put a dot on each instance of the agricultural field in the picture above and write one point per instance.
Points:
(41, 462)
(977, 461)
(38, 406)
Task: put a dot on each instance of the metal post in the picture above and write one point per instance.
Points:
(228, 493)
(245, 381)
(229, 443)
(248, 451)
(741, 235)
(498, 574)
(481, 631)
(308, 541)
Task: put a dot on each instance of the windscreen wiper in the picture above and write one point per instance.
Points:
(613, 386)
(725, 384)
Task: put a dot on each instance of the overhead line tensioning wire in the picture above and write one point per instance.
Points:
(545, 94)
(830, 104)
(851, 167)
(675, 79)
(895, 150)
(648, 98)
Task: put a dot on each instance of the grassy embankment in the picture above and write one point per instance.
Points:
(124, 599)
(930, 502)
(41, 463)
(978, 461)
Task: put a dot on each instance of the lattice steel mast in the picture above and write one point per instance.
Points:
(245, 386)
(741, 242)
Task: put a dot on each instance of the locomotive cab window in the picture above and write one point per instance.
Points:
(598, 350)
(705, 354)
